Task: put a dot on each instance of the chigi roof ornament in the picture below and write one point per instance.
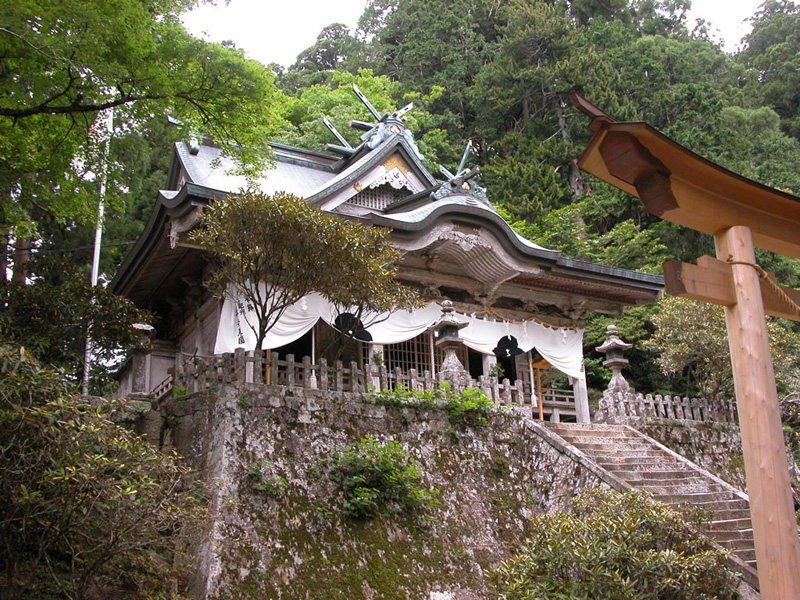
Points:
(387, 125)
(460, 184)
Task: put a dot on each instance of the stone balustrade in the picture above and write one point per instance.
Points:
(197, 373)
(623, 407)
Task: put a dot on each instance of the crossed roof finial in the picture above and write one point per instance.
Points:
(387, 124)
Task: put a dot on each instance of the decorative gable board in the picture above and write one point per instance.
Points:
(377, 188)
(379, 197)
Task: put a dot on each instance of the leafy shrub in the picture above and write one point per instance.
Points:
(467, 407)
(378, 478)
(615, 546)
(87, 509)
(50, 317)
(403, 397)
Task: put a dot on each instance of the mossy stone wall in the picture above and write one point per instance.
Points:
(294, 542)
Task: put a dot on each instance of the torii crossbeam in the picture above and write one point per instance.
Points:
(679, 186)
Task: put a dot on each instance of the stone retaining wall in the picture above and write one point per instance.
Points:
(295, 543)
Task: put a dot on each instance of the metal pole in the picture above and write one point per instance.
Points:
(98, 237)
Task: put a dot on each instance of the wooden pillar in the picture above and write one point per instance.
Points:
(539, 394)
(487, 362)
(765, 459)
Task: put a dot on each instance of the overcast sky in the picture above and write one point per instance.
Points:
(277, 31)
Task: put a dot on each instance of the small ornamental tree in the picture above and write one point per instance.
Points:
(614, 546)
(271, 250)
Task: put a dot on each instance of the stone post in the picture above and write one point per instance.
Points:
(140, 360)
(618, 388)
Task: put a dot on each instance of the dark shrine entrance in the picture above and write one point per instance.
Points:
(301, 347)
(506, 352)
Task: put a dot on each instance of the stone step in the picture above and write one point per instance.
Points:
(729, 514)
(676, 489)
(748, 555)
(643, 478)
(603, 439)
(651, 457)
(609, 444)
(732, 504)
(737, 545)
(730, 525)
(696, 498)
(658, 475)
(733, 535)
(570, 433)
(636, 463)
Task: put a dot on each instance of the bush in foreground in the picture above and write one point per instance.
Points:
(612, 546)
(88, 510)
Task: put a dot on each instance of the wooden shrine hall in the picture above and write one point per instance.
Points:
(522, 303)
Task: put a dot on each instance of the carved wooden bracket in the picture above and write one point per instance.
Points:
(626, 159)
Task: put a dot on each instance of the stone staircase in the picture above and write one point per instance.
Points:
(639, 462)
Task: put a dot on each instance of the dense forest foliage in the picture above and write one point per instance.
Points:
(496, 72)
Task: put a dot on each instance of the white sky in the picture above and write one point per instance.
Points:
(278, 30)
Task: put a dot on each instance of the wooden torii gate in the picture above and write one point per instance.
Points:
(677, 185)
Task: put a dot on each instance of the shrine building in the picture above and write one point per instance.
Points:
(525, 306)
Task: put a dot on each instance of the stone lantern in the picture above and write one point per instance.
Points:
(446, 331)
(613, 347)
(139, 358)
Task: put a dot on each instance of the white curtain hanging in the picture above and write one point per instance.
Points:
(562, 348)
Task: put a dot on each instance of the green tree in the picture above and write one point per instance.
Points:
(772, 50)
(612, 545)
(335, 48)
(270, 251)
(88, 509)
(691, 340)
(750, 142)
(64, 62)
(424, 44)
(53, 313)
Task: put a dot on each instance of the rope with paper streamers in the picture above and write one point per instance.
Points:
(764, 275)
(493, 313)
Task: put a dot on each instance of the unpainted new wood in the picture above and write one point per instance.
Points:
(766, 464)
(711, 280)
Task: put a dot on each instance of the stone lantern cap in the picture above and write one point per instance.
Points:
(144, 334)
(613, 342)
(447, 327)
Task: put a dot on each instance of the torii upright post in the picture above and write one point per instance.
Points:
(768, 484)
(679, 186)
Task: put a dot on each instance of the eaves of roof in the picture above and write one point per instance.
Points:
(185, 200)
(551, 259)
